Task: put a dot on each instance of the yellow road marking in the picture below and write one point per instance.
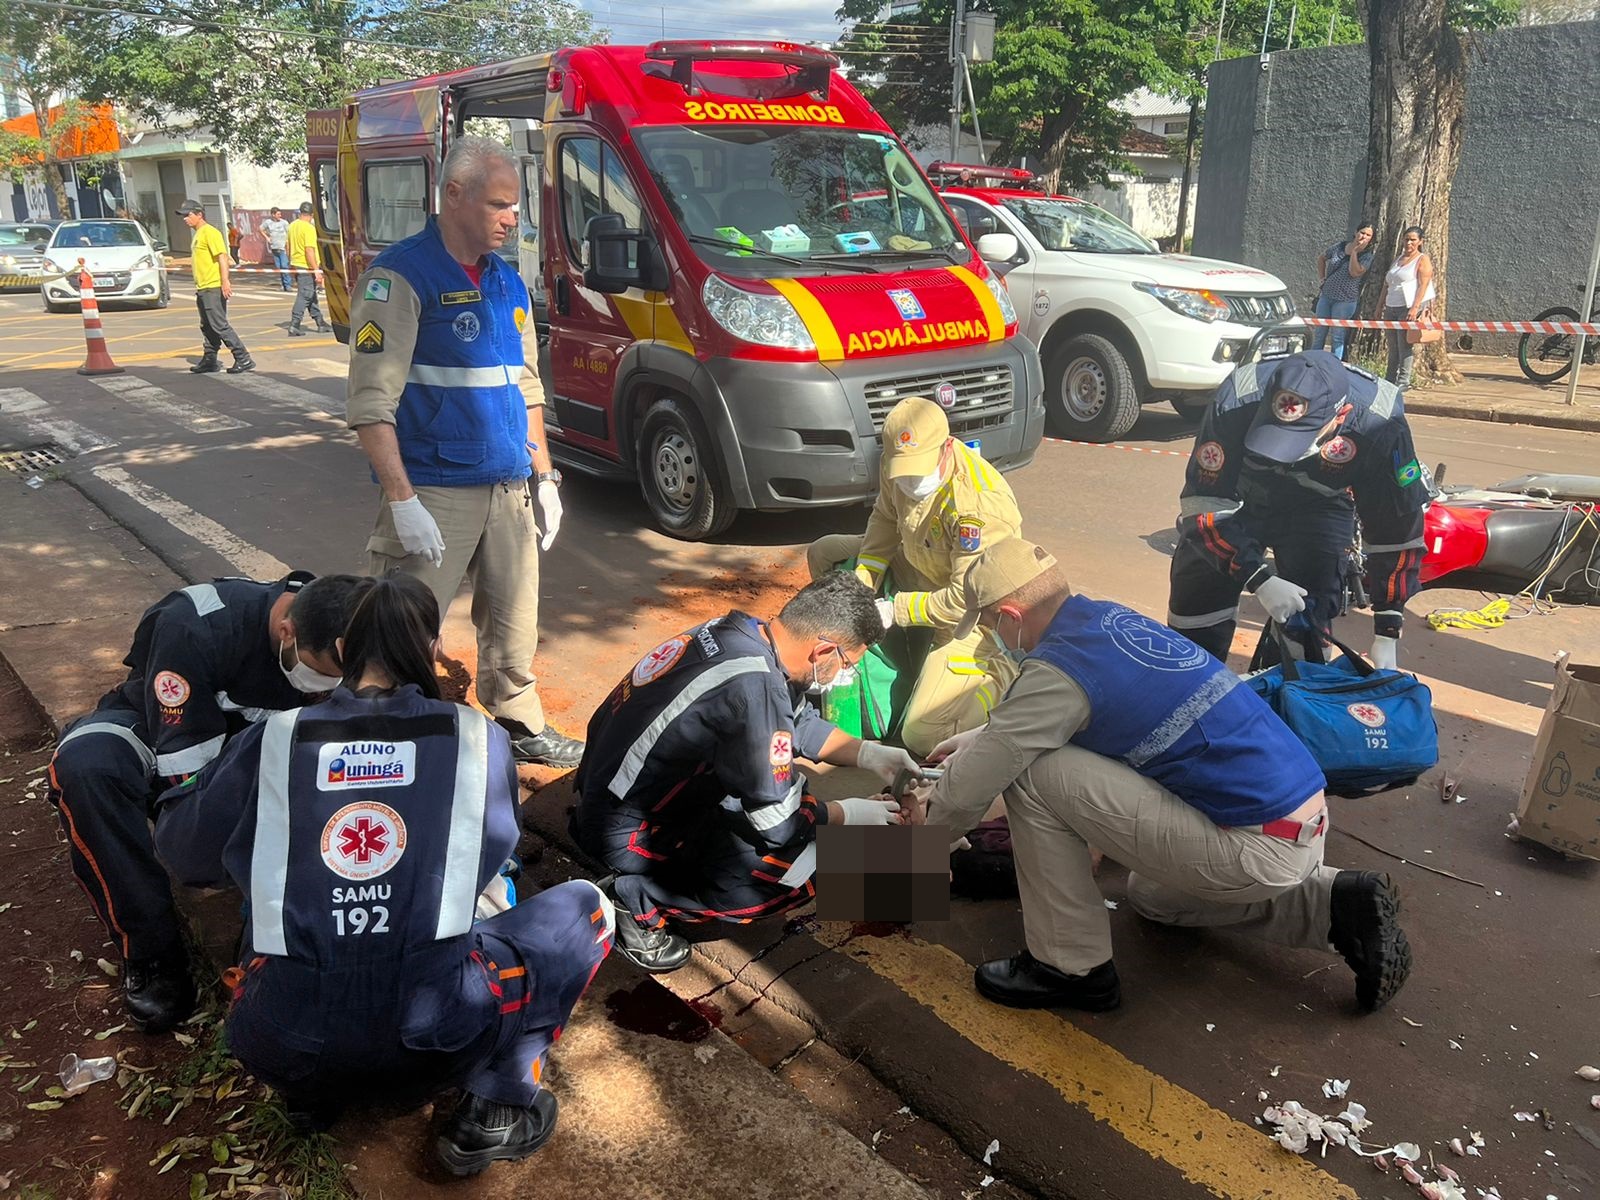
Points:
(1228, 1158)
(297, 344)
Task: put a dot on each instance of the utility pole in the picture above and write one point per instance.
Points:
(958, 62)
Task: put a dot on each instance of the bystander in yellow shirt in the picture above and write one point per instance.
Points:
(302, 237)
(208, 247)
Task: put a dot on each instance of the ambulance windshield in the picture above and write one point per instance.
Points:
(797, 191)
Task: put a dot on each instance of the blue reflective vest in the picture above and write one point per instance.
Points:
(1176, 715)
(462, 420)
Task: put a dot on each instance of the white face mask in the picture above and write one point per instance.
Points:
(919, 487)
(301, 677)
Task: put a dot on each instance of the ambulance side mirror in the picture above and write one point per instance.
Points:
(621, 258)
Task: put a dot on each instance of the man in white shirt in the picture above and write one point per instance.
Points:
(276, 231)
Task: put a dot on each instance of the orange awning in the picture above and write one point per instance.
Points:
(95, 133)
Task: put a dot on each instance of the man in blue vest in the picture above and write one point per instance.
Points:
(445, 398)
(1121, 734)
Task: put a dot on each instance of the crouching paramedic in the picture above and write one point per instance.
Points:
(1121, 734)
(1289, 451)
(206, 661)
(939, 503)
(362, 831)
(689, 788)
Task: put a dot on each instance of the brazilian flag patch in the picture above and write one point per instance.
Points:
(1407, 475)
(369, 339)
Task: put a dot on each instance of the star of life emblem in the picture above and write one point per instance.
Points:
(363, 841)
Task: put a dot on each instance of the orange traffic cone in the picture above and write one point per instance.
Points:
(99, 360)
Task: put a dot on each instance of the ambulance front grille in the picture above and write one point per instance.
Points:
(985, 396)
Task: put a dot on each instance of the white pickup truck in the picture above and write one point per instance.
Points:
(1118, 323)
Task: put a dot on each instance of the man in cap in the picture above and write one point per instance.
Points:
(1122, 734)
(212, 290)
(1289, 451)
(939, 504)
(308, 272)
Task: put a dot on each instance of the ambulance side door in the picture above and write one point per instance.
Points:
(589, 331)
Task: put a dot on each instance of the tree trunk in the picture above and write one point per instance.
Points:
(1418, 97)
(1188, 174)
(48, 159)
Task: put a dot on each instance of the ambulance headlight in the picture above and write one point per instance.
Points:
(755, 317)
(1002, 297)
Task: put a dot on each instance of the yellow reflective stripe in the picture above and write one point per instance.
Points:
(985, 698)
(815, 318)
(986, 301)
(866, 560)
(976, 468)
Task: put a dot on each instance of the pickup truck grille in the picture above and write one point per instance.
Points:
(984, 396)
(1260, 310)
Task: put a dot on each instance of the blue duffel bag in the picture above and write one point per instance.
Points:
(1369, 729)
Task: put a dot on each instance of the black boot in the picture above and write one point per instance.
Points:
(481, 1132)
(1022, 981)
(1363, 928)
(323, 326)
(159, 992)
(207, 364)
(241, 364)
(653, 950)
(549, 746)
(296, 331)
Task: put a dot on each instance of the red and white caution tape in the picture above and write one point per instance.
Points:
(1465, 326)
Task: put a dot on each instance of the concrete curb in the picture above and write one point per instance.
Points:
(1512, 413)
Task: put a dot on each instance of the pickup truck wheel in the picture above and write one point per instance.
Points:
(679, 474)
(1191, 406)
(1089, 390)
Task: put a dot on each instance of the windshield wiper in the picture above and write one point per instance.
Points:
(944, 252)
(739, 251)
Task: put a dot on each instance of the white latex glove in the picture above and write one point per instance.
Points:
(955, 742)
(417, 530)
(886, 761)
(1281, 598)
(550, 509)
(858, 811)
(1386, 652)
(886, 612)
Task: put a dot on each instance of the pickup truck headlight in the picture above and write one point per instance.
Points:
(1002, 297)
(1191, 302)
(754, 317)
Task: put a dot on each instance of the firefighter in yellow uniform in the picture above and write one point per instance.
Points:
(939, 505)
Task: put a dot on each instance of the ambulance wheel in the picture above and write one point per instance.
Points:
(679, 473)
(1089, 393)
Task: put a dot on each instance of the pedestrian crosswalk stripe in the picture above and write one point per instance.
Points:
(196, 418)
(32, 413)
(246, 559)
(1228, 1158)
(280, 392)
(325, 366)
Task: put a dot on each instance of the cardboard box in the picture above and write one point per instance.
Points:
(1561, 797)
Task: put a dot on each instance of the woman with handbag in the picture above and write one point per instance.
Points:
(1409, 294)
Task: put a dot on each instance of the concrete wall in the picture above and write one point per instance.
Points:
(1284, 164)
(1149, 205)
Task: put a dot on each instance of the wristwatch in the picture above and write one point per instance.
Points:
(551, 476)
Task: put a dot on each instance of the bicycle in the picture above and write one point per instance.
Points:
(1547, 357)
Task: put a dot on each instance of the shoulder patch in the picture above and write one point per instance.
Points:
(969, 533)
(368, 339)
(377, 289)
(659, 661)
(1210, 457)
(520, 316)
(171, 689)
(1339, 450)
(470, 296)
(1408, 473)
(709, 646)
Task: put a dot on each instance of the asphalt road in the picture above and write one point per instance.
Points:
(223, 475)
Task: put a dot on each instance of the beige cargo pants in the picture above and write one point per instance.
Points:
(492, 539)
(960, 680)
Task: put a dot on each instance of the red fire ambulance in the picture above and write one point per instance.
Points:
(742, 267)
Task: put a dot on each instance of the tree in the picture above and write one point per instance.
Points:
(40, 64)
(1048, 93)
(252, 73)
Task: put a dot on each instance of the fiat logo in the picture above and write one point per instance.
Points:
(945, 394)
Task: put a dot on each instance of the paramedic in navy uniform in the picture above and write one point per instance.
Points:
(205, 662)
(689, 789)
(363, 831)
(1289, 451)
(1121, 734)
(445, 397)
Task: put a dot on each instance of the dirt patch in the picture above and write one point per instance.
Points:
(760, 591)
